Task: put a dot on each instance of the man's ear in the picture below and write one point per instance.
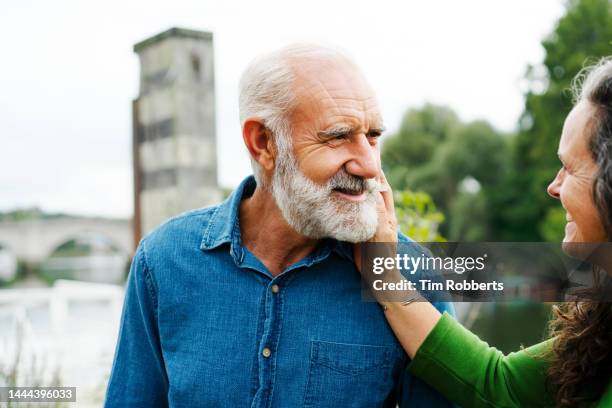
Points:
(258, 139)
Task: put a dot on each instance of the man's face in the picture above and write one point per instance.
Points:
(328, 187)
(336, 123)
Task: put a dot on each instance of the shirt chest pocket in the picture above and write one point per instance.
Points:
(350, 375)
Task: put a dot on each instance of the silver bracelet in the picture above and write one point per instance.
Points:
(416, 296)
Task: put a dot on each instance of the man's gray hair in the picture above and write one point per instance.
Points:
(266, 92)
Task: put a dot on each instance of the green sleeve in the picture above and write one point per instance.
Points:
(470, 373)
(606, 399)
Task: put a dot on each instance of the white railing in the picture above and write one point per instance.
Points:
(69, 329)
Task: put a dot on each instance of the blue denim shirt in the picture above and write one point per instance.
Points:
(205, 324)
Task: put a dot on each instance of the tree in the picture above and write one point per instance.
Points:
(583, 35)
(456, 163)
(493, 186)
(417, 216)
(412, 148)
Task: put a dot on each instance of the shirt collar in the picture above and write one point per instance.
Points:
(223, 226)
(344, 249)
(224, 220)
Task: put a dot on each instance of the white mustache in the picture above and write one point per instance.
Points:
(345, 181)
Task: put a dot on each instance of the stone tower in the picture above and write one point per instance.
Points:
(174, 141)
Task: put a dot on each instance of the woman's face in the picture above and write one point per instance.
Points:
(573, 185)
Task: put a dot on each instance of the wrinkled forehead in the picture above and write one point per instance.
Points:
(335, 88)
(577, 130)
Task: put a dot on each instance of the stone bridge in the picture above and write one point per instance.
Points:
(34, 240)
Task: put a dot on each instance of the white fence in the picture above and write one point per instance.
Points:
(68, 330)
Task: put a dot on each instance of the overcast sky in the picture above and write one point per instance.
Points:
(69, 74)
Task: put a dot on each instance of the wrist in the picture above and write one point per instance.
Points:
(411, 297)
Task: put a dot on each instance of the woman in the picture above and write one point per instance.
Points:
(574, 367)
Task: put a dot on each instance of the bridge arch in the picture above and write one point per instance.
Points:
(34, 240)
(85, 235)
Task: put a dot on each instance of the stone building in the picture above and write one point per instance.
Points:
(174, 140)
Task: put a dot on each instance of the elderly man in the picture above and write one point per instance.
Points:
(256, 302)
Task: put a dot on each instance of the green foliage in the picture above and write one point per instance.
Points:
(24, 214)
(435, 152)
(467, 216)
(417, 216)
(553, 226)
(21, 214)
(582, 36)
(420, 133)
(496, 323)
(73, 247)
(455, 155)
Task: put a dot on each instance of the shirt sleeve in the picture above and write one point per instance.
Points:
(470, 373)
(414, 392)
(138, 376)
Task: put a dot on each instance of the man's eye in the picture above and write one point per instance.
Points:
(374, 134)
(337, 139)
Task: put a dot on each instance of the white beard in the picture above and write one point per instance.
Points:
(315, 212)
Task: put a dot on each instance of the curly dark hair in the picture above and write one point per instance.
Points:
(582, 365)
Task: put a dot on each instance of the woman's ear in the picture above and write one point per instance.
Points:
(258, 139)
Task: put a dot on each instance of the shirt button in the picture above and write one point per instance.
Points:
(266, 352)
(275, 288)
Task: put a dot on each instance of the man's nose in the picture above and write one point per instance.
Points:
(364, 160)
(555, 186)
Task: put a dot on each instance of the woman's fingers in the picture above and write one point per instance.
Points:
(387, 194)
(387, 225)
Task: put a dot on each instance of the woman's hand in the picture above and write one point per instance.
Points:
(413, 322)
(387, 222)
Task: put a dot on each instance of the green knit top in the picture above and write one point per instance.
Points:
(470, 373)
